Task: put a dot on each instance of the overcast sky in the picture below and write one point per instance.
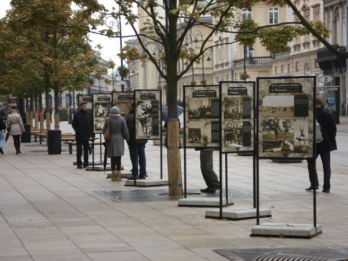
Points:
(111, 47)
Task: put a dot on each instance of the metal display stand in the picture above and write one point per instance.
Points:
(95, 98)
(240, 213)
(285, 230)
(202, 201)
(150, 183)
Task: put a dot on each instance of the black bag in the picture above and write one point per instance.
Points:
(2, 125)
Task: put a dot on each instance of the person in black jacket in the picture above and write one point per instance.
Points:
(136, 149)
(328, 129)
(83, 126)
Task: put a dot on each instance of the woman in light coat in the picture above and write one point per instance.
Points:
(115, 144)
(15, 123)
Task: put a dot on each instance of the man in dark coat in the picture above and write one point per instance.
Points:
(328, 129)
(83, 126)
(136, 149)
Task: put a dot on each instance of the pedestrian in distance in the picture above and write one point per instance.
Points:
(83, 126)
(328, 144)
(207, 169)
(2, 137)
(16, 127)
(136, 150)
(117, 130)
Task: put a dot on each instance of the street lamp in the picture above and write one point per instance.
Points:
(206, 54)
(186, 44)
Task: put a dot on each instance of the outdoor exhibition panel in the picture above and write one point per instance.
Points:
(285, 122)
(286, 131)
(237, 109)
(101, 108)
(148, 107)
(202, 116)
(123, 100)
(87, 99)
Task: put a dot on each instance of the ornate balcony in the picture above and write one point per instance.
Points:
(252, 60)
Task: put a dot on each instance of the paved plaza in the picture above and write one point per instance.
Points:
(50, 210)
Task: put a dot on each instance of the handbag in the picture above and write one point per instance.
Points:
(107, 131)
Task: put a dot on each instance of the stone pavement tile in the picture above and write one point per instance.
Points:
(209, 254)
(51, 247)
(93, 244)
(158, 242)
(61, 257)
(201, 241)
(172, 255)
(16, 258)
(118, 256)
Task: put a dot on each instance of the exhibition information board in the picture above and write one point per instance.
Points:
(101, 108)
(202, 116)
(237, 108)
(123, 100)
(285, 124)
(148, 107)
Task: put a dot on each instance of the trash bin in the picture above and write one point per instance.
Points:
(336, 116)
(26, 136)
(54, 144)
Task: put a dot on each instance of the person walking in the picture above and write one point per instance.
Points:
(116, 126)
(83, 126)
(136, 149)
(2, 137)
(15, 124)
(328, 144)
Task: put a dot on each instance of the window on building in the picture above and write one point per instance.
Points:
(297, 66)
(273, 15)
(276, 70)
(246, 14)
(316, 13)
(289, 68)
(282, 69)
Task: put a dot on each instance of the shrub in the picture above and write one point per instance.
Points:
(63, 114)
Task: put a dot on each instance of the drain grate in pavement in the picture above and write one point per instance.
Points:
(286, 254)
(150, 195)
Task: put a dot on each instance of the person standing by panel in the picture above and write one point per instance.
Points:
(115, 144)
(136, 149)
(15, 123)
(328, 144)
(83, 126)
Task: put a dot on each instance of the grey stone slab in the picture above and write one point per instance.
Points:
(123, 175)
(147, 183)
(286, 230)
(90, 162)
(100, 168)
(238, 213)
(203, 202)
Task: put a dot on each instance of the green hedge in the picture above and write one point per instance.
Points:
(63, 114)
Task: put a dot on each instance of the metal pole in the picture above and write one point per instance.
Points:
(161, 141)
(185, 174)
(226, 176)
(203, 67)
(244, 48)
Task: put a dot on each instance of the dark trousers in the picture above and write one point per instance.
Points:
(79, 144)
(137, 156)
(17, 142)
(207, 168)
(115, 161)
(313, 176)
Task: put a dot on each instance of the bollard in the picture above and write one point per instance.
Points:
(26, 136)
(54, 144)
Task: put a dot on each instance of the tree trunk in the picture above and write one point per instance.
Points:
(42, 129)
(56, 106)
(31, 116)
(173, 140)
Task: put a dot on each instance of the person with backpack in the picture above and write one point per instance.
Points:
(325, 143)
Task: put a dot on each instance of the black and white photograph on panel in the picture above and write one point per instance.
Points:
(237, 116)
(286, 117)
(148, 114)
(202, 116)
(123, 100)
(101, 108)
(87, 99)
